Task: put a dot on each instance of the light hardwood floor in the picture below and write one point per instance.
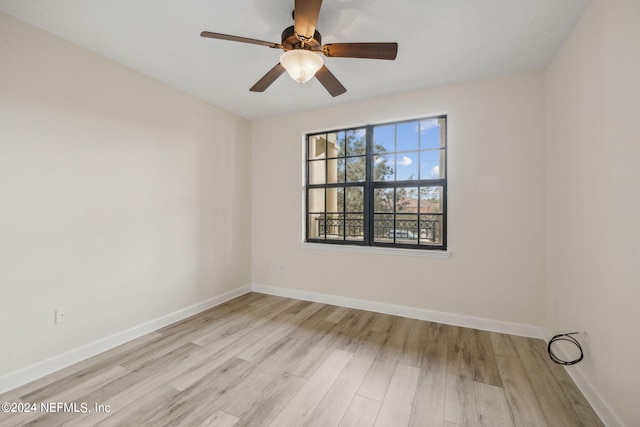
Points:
(262, 360)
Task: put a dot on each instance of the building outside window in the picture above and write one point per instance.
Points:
(378, 185)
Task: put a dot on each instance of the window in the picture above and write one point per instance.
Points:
(378, 185)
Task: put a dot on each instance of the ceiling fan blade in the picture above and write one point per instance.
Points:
(361, 50)
(305, 17)
(211, 35)
(329, 81)
(268, 78)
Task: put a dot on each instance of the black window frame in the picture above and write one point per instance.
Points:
(369, 185)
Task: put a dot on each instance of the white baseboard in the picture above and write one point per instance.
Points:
(492, 325)
(599, 405)
(30, 373)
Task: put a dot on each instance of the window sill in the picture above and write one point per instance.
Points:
(377, 250)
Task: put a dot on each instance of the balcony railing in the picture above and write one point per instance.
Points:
(425, 230)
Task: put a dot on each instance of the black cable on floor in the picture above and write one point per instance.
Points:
(565, 337)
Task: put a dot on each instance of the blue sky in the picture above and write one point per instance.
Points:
(415, 145)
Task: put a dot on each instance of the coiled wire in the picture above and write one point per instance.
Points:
(565, 337)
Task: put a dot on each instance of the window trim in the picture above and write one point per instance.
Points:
(329, 247)
(369, 186)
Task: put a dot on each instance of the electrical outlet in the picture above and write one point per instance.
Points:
(62, 315)
(281, 268)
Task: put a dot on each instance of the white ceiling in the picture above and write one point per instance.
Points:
(440, 42)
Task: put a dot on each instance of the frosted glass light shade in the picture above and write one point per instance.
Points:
(301, 64)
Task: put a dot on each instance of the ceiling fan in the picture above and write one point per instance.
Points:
(303, 44)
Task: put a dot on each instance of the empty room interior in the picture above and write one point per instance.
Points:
(393, 242)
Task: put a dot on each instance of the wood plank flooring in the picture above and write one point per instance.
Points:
(262, 360)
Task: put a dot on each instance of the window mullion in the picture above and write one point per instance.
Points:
(368, 187)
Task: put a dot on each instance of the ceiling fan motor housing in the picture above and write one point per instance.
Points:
(290, 41)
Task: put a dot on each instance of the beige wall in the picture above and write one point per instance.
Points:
(496, 205)
(120, 197)
(593, 197)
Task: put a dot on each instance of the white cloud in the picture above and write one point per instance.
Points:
(435, 172)
(406, 161)
(425, 125)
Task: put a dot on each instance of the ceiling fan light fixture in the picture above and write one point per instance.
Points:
(301, 64)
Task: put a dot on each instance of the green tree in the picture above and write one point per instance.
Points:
(353, 143)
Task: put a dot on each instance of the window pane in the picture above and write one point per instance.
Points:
(407, 137)
(432, 164)
(317, 172)
(354, 227)
(431, 229)
(431, 200)
(316, 226)
(383, 228)
(335, 226)
(432, 134)
(335, 171)
(356, 142)
(335, 200)
(336, 144)
(356, 169)
(407, 199)
(317, 147)
(316, 200)
(406, 229)
(383, 167)
(383, 200)
(355, 199)
(406, 166)
(384, 139)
